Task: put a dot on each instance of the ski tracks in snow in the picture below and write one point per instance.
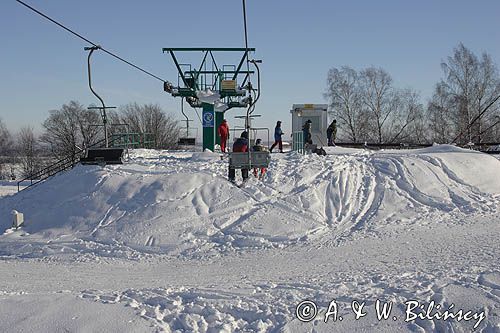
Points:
(355, 194)
(106, 220)
(270, 307)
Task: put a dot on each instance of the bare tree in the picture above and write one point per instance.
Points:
(459, 84)
(69, 129)
(487, 87)
(344, 96)
(90, 126)
(5, 149)
(379, 100)
(5, 139)
(28, 151)
(419, 128)
(371, 109)
(406, 123)
(469, 85)
(150, 118)
(438, 111)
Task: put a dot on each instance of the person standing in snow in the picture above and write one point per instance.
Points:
(331, 133)
(223, 132)
(306, 131)
(277, 137)
(259, 147)
(239, 146)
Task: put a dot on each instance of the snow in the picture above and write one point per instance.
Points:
(166, 243)
(208, 96)
(211, 97)
(9, 187)
(42, 313)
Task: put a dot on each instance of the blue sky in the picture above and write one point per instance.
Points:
(43, 67)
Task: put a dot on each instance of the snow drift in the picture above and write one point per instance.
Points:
(180, 202)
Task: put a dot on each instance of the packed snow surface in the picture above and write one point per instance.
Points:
(166, 243)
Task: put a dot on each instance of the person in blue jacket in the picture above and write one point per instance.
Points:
(277, 137)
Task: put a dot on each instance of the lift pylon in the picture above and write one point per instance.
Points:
(211, 86)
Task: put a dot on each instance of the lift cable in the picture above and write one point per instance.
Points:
(478, 116)
(246, 37)
(247, 121)
(90, 42)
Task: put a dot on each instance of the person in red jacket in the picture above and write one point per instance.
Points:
(223, 132)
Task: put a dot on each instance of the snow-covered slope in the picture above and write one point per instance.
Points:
(174, 202)
(169, 236)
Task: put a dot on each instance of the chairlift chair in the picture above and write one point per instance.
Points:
(187, 141)
(258, 159)
(102, 156)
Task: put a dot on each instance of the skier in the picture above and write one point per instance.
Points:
(223, 132)
(306, 131)
(240, 145)
(331, 133)
(259, 147)
(277, 137)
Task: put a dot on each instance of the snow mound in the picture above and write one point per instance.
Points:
(181, 202)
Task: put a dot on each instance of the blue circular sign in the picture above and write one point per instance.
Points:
(208, 117)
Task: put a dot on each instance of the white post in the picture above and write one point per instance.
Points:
(17, 219)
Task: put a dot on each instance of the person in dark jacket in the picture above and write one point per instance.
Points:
(223, 132)
(239, 146)
(331, 133)
(306, 131)
(277, 137)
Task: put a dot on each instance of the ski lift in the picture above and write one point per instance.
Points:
(251, 159)
(253, 130)
(257, 159)
(186, 140)
(100, 156)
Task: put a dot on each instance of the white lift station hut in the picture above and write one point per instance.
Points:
(318, 115)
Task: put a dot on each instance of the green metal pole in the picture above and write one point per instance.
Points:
(219, 117)
(208, 126)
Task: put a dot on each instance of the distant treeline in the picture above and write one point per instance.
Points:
(73, 127)
(464, 107)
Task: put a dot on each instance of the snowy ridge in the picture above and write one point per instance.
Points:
(172, 203)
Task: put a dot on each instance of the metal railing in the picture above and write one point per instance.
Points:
(372, 145)
(61, 165)
(482, 147)
(133, 140)
(298, 142)
(51, 170)
(235, 133)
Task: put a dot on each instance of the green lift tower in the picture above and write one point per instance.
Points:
(214, 88)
